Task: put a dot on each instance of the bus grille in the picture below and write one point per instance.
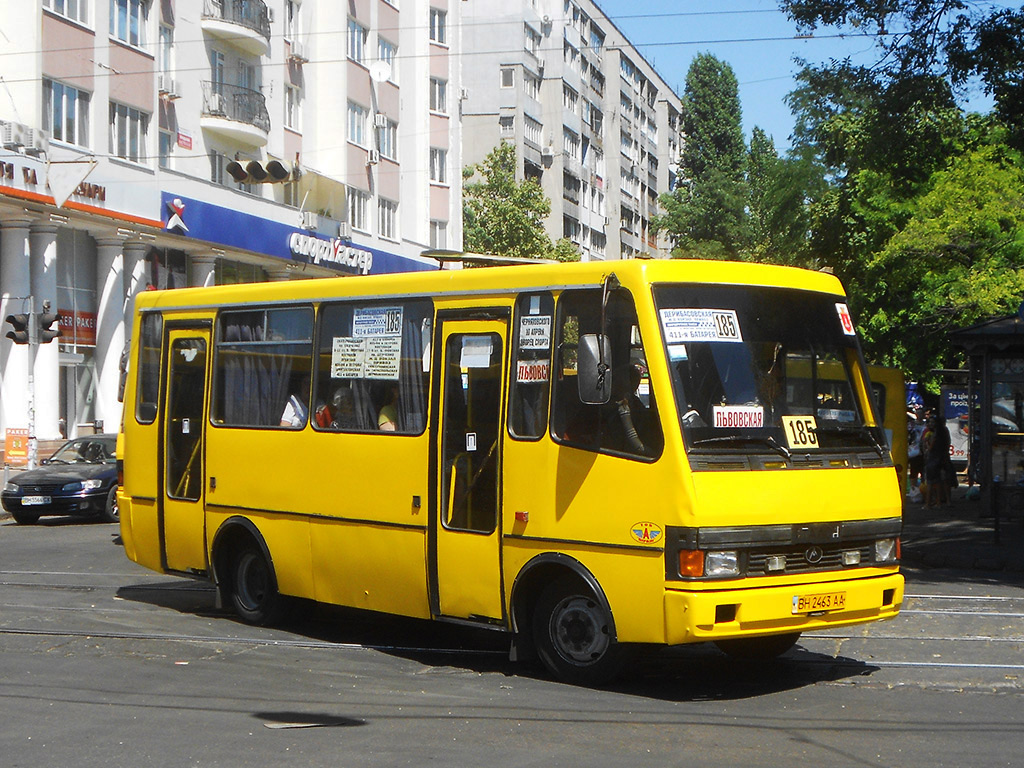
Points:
(805, 558)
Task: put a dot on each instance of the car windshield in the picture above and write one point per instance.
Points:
(86, 450)
(765, 370)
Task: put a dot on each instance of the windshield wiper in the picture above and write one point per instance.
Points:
(771, 442)
(860, 431)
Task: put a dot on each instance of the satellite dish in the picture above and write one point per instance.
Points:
(380, 71)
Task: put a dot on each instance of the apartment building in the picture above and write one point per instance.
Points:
(591, 119)
(165, 143)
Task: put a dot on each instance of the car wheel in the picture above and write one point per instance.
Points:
(574, 637)
(758, 648)
(254, 594)
(111, 512)
(25, 518)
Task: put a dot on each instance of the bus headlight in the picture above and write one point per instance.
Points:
(885, 551)
(722, 564)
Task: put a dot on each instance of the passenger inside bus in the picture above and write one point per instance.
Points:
(296, 410)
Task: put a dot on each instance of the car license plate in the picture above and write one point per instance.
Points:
(820, 603)
(34, 501)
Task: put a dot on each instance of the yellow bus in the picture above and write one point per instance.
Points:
(890, 390)
(588, 457)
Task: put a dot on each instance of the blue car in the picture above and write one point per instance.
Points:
(79, 479)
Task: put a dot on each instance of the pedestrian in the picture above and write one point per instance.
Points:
(937, 464)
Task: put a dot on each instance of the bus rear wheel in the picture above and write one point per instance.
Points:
(253, 591)
(767, 647)
(574, 637)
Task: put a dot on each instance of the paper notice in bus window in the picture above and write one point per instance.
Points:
(535, 332)
(677, 352)
(377, 321)
(347, 357)
(476, 352)
(528, 371)
(845, 319)
(683, 325)
(738, 416)
(383, 355)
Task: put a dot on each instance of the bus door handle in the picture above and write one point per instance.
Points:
(213, 483)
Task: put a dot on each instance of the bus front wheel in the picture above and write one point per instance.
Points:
(767, 647)
(573, 634)
(254, 594)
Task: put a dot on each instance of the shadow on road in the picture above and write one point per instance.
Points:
(683, 673)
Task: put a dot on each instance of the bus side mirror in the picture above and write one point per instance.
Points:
(594, 369)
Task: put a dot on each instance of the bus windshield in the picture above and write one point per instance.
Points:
(759, 370)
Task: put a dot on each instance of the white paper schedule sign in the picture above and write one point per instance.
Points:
(690, 325)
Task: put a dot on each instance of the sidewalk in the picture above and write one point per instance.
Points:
(957, 536)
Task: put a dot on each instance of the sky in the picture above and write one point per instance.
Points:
(752, 36)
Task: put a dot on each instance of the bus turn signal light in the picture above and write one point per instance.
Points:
(691, 562)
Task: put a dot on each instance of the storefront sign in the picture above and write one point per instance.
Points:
(16, 447)
(78, 328)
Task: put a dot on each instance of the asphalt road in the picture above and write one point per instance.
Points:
(105, 663)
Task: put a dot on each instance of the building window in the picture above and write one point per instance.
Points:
(218, 161)
(358, 202)
(166, 148)
(438, 26)
(66, 113)
(438, 95)
(508, 77)
(386, 52)
(129, 132)
(531, 84)
(507, 125)
(387, 139)
(570, 99)
(438, 165)
(387, 216)
(532, 39)
(165, 52)
(356, 124)
(571, 143)
(293, 107)
(128, 19)
(532, 130)
(76, 10)
(439, 235)
(356, 41)
(291, 19)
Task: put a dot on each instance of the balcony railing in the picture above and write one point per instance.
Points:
(251, 14)
(233, 102)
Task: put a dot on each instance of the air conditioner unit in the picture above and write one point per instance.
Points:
(310, 220)
(40, 144)
(15, 136)
(373, 157)
(217, 104)
(345, 231)
(298, 52)
(380, 120)
(548, 153)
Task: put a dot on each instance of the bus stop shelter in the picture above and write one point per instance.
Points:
(995, 352)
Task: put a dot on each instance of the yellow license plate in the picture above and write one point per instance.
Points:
(826, 601)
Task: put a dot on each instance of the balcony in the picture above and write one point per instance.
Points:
(243, 23)
(235, 112)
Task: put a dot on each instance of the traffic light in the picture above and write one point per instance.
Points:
(255, 172)
(20, 323)
(46, 333)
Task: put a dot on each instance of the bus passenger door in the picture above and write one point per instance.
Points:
(182, 516)
(467, 444)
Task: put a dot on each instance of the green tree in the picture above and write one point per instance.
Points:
(706, 214)
(505, 217)
(959, 259)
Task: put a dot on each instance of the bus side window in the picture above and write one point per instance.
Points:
(263, 360)
(148, 383)
(629, 423)
(531, 380)
(371, 371)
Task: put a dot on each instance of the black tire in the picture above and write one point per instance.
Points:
(574, 635)
(25, 518)
(758, 648)
(111, 512)
(253, 589)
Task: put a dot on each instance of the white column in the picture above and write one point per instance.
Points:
(202, 270)
(134, 277)
(43, 249)
(110, 329)
(15, 280)
(278, 274)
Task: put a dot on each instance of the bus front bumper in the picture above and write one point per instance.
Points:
(696, 616)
